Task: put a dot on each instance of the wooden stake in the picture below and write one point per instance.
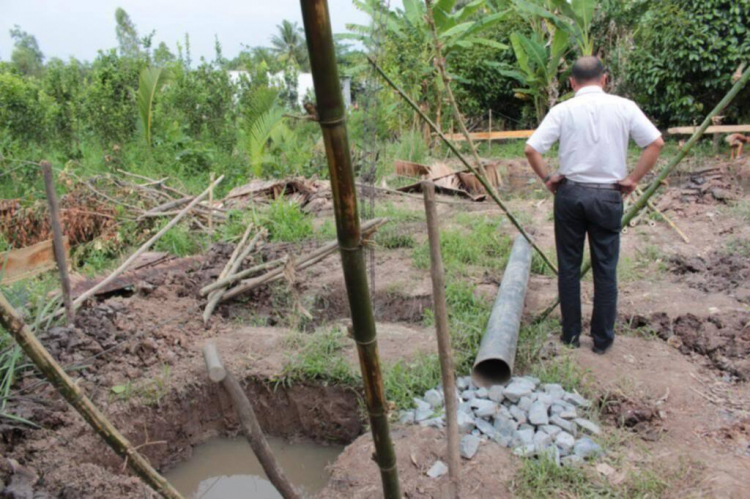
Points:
(490, 130)
(122, 268)
(12, 321)
(664, 217)
(211, 206)
(57, 240)
(250, 426)
(332, 120)
(443, 337)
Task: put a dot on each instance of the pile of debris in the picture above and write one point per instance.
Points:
(709, 186)
(531, 418)
(311, 194)
(447, 181)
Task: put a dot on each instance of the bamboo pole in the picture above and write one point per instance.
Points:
(215, 297)
(57, 240)
(332, 118)
(443, 338)
(488, 187)
(664, 217)
(91, 292)
(12, 321)
(640, 203)
(249, 423)
(211, 205)
(490, 130)
(440, 64)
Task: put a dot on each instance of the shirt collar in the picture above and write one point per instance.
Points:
(590, 89)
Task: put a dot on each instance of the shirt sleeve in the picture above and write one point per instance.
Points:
(642, 130)
(547, 134)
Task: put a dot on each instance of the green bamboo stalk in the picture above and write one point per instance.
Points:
(642, 201)
(488, 187)
(332, 117)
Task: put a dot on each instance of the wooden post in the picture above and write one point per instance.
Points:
(490, 130)
(332, 119)
(249, 422)
(443, 337)
(12, 321)
(211, 206)
(57, 240)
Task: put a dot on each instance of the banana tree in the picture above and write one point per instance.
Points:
(538, 68)
(573, 16)
(409, 41)
(150, 82)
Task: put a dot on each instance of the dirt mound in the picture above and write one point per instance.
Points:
(639, 416)
(723, 339)
(719, 272)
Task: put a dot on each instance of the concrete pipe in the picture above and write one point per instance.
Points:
(497, 353)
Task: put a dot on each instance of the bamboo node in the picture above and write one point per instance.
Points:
(332, 123)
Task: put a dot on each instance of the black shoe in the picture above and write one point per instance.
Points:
(601, 350)
(574, 342)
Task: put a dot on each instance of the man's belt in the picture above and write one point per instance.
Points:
(594, 185)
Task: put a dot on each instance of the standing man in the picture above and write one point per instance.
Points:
(593, 129)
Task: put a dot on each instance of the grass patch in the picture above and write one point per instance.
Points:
(320, 358)
(480, 244)
(285, 221)
(179, 240)
(405, 380)
(739, 246)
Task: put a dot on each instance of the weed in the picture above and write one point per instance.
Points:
(389, 238)
(739, 247)
(544, 478)
(321, 358)
(285, 221)
(179, 241)
(150, 391)
(405, 380)
(741, 210)
(539, 266)
(398, 214)
(481, 244)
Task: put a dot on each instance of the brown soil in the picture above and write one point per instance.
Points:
(355, 475)
(684, 396)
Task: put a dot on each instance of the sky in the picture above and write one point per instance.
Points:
(79, 28)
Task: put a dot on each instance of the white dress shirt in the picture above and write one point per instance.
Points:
(593, 129)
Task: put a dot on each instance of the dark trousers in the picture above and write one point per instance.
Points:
(579, 211)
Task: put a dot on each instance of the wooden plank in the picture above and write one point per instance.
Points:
(23, 263)
(689, 130)
(511, 134)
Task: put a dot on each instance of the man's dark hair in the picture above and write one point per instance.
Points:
(587, 69)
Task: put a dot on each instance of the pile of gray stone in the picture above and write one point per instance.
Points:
(531, 418)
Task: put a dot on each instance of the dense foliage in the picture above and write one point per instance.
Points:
(145, 106)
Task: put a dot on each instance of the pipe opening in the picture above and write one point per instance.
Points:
(490, 372)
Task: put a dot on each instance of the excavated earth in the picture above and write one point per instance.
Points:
(676, 379)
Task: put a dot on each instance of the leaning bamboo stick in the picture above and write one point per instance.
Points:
(641, 202)
(304, 262)
(249, 423)
(226, 281)
(443, 338)
(12, 321)
(57, 240)
(664, 217)
(215, 297)
(332, 120)
(488, 187)
(122, 268)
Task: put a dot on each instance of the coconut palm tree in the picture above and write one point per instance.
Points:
(289, 45)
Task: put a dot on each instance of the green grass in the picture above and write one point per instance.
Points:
(740, 209)
(149, 391)
(180, 240)
(480, 244)
(739, 246)
(320, 357)
(285, 221)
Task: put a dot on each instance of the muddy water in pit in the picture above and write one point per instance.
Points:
(224, 468)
